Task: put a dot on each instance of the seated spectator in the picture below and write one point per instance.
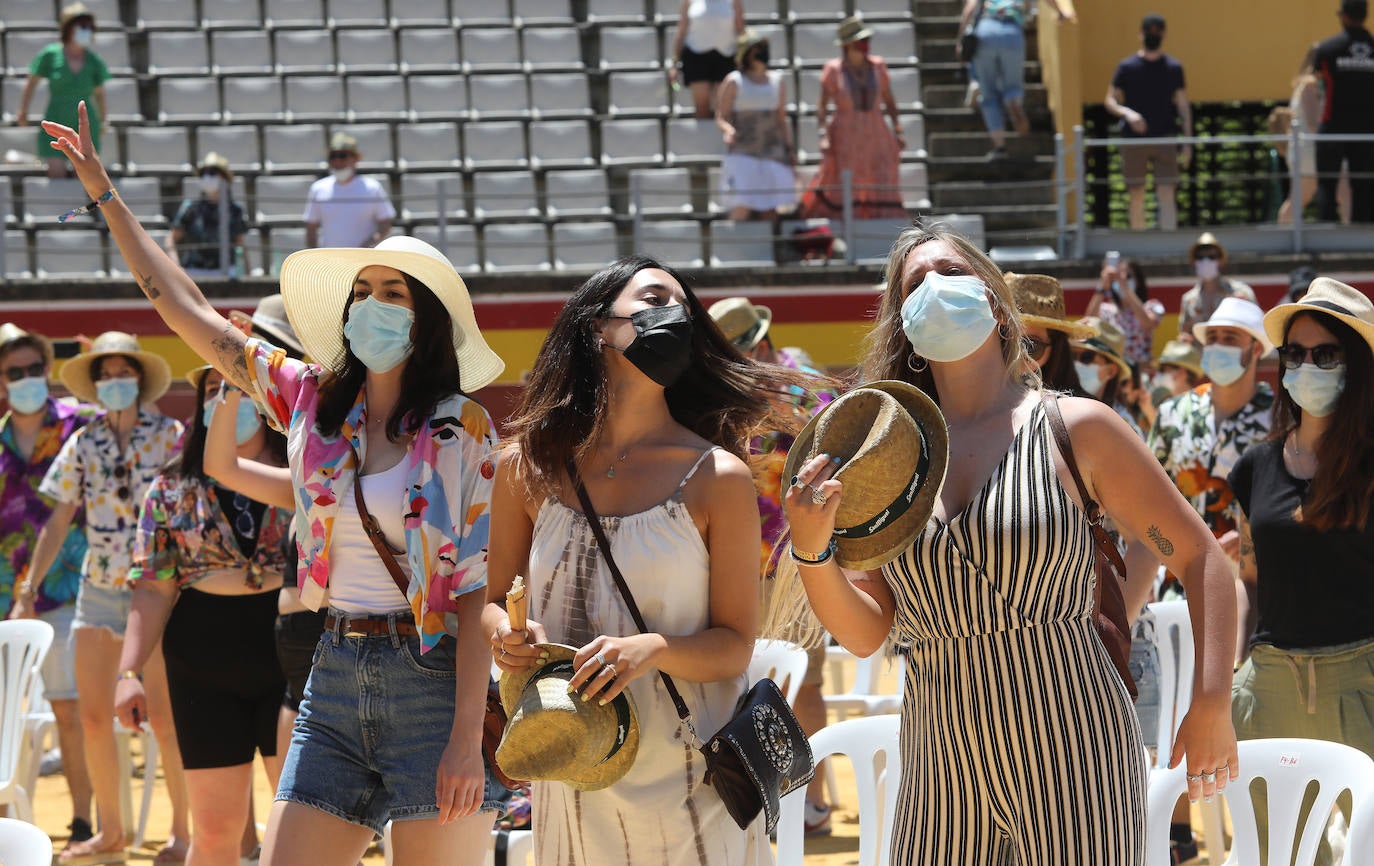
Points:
(1298, 280)
(705, 42)
(1049, 329)
(1208, 257)
(1123, 298)
(751, 111)
(194, 240)
(346, 209)
(1178, 371)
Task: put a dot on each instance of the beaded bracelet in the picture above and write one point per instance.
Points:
(813, 558)
(89, 206)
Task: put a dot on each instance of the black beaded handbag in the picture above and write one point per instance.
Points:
(758, 757)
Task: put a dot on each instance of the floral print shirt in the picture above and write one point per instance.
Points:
(23, 510)
(1199, 453)
(92, 471)
(184, 535)
(447, 505)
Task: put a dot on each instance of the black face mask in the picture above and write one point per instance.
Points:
(1152, 41)
(662, 347)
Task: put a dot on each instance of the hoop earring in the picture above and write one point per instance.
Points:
(1003, 331)
(916, 364)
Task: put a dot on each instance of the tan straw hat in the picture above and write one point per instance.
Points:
(1207, 239)
(1040, 298)
(269, 320)
(1325, 295)
(216, 162)
(316, 284)
(196, 375)
(1180, 354)
(746, 40)
(71, 12)
(157, 374)
(552, 735)
(852, 29)
(10, 332)
(893, 448)
(1107, 341)
(343, 141)
(743, 323)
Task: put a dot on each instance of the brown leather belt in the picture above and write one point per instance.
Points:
(366, 626)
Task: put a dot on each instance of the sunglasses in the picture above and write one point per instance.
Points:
(1207, 257)
(340, 154)
(1088, 356)
(1327, 356)
(14, 374)
(1036, 349)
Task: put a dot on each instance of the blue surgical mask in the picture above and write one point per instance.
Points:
(1315, 390)
(1222, 364)
(947, 318)
(117, 394)
(245, 425)
(83, 36)
(1088, 377)
(28, 395)
(379, 334)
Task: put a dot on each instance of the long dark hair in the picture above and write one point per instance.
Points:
(723, 396)
(1058, 373)
(430, 374)
(1339, 497)
(189, 462)
(1142, 289)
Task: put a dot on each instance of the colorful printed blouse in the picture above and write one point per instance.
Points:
(91, 471)
(23, 510)
(183, 535)
(448, 478)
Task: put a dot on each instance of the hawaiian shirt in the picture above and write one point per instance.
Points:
(447, 507)
(92, 471)
(1199, 453)
(184, 535)
(23, 511)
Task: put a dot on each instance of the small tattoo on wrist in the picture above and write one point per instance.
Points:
(1165, 546)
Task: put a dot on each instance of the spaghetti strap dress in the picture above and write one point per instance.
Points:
(1019, 743)
(661, 812)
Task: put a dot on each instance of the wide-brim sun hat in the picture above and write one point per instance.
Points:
(852, 29)
(157, 373)
(196, 375)
(552, 735)
(746, 40)
(270, 320)
(10, 332)
(1107, 341)
(1040, 300)
(71, 12)
(1236, 313)
(317, 283)
(743, 322)
(216, 162)
(1177, 353)
(893, 446)
(1338, 300)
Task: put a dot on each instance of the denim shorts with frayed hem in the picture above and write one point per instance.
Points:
(104, 607)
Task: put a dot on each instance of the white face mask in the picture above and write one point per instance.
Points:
(209, 183)
(1207, 269)
(947, 318)
(83, 36)
(1224, 365)
(1088, 377)
(342, 175)
(1315, 390)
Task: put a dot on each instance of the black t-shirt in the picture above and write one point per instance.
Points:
(1315, 588)
(1148, 87)
(1345, 63)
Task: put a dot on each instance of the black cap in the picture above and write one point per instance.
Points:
(1357, 9)
(1298, 280)
(1156, 22)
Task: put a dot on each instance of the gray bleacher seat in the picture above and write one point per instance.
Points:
(436, 97)
(576, 193)
(483, 13)
(426, 13)
(121, 101)
(173, 52)
(188, 99)
(105, 12)
(27, 15)
(616, 11)
(279, 199)
(253, 252)
(815, 10)
(69, 252)
(494, 144)
(914, 125)
(167, 15)
(895, 41)
(113, 48)
(22, 45)
(812, 45)
(529, 12)
(668, 11)
(10, 91)
(365, 50)
(515, 247)
(560, 95)
(458, 244)
(238, 144)
(504, 195)
(495, 49)
(631, 142)
(583, 246)
(281, 242)
(630, 48)
(299, 52)
(17, 262)
(356, 14)
(427, 146)
(762, 11)
(231, 14)
(374, 143)
(498, 97)
(560, 144)
(420, 194)
(376, 97)
(741, 244)
(143, 195)
(693, 142)
(807, 93)
(808, 138)
(292, 13)
(157, 150)
(872, 239)
(878, 10)
(906, 88)
(660, 191)
(23, 141)
(112, 151)
(235, 51)
(8, 215)
(427, 49)
(314, 97)
(551, 49)
(295, 148)
(255, 98)
(638, 94)
(118, 269)
(46, 199)
(673, 242)
(915, 186)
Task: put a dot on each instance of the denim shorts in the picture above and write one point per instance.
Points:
(1144, 664)
(59, 666)
(373, 724)
(103, 607)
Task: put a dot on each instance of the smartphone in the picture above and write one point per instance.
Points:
(1113, 259)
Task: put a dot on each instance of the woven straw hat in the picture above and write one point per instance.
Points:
(71, 12)
(893, 448)
(555, 736)
(1181, 354)
(1107, 341)
(1207, 239)
(746, 40)
(269, 320)
(852, 29)
(157, 374)
(216, 162)
(1040, 299)
(315, 285)
(743, 323)
(1329, 296)
(9, 332)
(197, 374)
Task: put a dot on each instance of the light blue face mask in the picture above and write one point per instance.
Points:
(1222, 364)
(1088, 377)
(28, 395)
(117, 394)
(378, 333)
(947, 318)
(245, 425)
(1315, 390)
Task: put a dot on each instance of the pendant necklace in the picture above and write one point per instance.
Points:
(610, 470)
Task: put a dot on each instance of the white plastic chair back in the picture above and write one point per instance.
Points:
(1288, 767)
(782, 662)
(40, 726)
(23, 644)
(864, 696)
(23, 844)
(1175, 671)
(873, 745)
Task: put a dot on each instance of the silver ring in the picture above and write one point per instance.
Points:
(1194, 777)
(503, 653)
(818, 497)
(610, 668)
(600, 659)
(1209, 777)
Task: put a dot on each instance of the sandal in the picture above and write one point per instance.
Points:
(172, 853)
(85, 853)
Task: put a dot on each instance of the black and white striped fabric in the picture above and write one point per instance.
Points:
(1019, 743)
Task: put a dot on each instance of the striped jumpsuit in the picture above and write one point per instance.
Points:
(1019, 743)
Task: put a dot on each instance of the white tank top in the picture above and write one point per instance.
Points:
(711, 26)
(358, 580)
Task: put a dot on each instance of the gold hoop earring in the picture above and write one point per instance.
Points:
(916, 364)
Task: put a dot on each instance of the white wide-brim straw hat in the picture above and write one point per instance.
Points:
(1236, 313)
(1325, 295)
(270, 320)
(157, 373)
(316, 284)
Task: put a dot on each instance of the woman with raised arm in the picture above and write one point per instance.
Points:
(1018, 738)
(390, 729)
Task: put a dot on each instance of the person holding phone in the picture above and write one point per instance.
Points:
(1122, 298)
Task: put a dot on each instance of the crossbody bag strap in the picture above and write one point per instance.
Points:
(604, 544)
(1101, 540)
(373, 531)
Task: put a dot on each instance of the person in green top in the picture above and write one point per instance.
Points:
(74, 73)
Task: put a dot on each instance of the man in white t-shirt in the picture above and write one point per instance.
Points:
(345, 209)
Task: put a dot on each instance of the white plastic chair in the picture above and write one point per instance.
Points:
(1288, 767)
(23, 844)
(782, 662)
(23, 644)
(863, 698)
(865, 741)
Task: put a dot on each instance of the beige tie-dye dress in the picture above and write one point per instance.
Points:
(661, 812)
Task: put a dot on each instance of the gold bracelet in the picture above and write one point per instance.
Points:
(131, 675)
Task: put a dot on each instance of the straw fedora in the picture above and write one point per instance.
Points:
(1325, 295)
(72, 12)
(893, 448)
(216, 162)
(852, 29)
(1180, 354)
(269, 320)
(10, 332)
(1207, 239)
(316, 284)
(743, 323)
(1107, 341)
(343, 141)
(1040, 298)
(748, 39)
(157, 374)
(552, 735)
(196, 375)
(1236, 313)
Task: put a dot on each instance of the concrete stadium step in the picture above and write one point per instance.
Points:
(952, 96)
(977, 169)
(961, 119)
(963, 144)
(957, 195)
